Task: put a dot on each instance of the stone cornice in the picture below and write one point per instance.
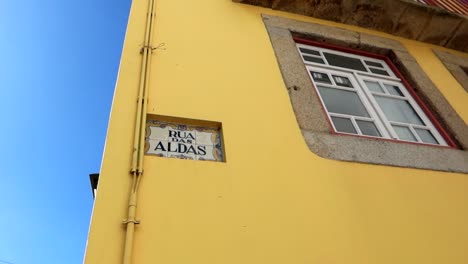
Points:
(403, 18)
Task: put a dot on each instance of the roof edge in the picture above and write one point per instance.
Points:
(404, 18)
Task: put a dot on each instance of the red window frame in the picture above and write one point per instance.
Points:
(437, 124)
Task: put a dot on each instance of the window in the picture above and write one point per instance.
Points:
(363, 96)
(374, 76)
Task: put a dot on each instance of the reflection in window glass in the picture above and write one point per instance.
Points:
(368, 128)
(377, 71)
(321, 77)
(404, 133)
(343, 125)
(398, 110)
(393, 90)
(342, 102)
(309, 51)
(342, 81)
(375, 64)
(374, 86)
(344, 62)
(426, 136)
(313, 59)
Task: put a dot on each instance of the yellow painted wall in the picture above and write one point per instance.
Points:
(273, 201)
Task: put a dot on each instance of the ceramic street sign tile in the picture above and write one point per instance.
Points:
(183, 141)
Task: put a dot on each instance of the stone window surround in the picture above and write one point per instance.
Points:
(312, 119)
(457, 66)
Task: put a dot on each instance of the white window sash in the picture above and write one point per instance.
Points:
(373, 118)
(366, 96)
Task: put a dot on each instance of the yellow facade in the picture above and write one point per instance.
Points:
(273, 200)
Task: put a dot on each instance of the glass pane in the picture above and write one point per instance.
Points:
(321, 77)
(313, 59)
(377, 71)
(375, 64)
(374, 87)
(342, 102)
(368, 128)
(342, 81)
(398, 110)
(426, 136)
(343, 125)
(404, 133)
(394, 90)
(345, 62)
(308, 51)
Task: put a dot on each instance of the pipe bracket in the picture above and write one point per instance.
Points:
(151, 48)
(126, 221)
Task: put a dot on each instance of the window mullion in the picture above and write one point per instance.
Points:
(422, 115)
(375, 112)
(365, 65)
(324, 58)
(389, 131)
(358, 130)
(415, 134)
(309, 69)
(335, 68)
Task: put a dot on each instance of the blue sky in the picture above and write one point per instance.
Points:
(58, 65)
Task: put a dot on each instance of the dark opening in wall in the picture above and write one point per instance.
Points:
(465, 70)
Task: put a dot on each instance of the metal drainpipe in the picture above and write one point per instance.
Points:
(139, 135)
